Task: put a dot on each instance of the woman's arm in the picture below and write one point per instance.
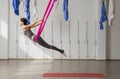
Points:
(34, 24)
(37, 24)
(27, 27)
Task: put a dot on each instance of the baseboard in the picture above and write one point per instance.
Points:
(50, 59)
(113, 59)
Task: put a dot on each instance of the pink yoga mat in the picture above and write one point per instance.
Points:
(91, 75)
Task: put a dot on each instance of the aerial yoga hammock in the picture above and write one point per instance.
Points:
(45, 17)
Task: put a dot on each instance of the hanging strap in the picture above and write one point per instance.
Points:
(46, 15)
(42, 27)
(38, 33)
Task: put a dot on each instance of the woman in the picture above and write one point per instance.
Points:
(31, 35)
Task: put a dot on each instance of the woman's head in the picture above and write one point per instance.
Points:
(23, 21)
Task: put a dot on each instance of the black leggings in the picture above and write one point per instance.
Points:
(41, 42)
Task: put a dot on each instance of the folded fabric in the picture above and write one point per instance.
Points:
(103, 16)
(27, 10)
(15, 4)
(65, 9)
(111, 11)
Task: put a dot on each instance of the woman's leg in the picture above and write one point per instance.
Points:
(41, 42)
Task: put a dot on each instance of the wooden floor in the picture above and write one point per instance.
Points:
(34, 69)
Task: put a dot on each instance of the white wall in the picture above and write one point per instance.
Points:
(4, 29)
(82, 27)
(113, 37)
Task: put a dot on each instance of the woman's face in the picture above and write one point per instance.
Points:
(21, 23)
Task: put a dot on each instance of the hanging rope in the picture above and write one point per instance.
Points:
(35, 10)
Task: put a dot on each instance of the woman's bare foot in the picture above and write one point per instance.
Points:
(64, 54)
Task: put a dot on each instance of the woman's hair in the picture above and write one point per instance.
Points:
(24, 20)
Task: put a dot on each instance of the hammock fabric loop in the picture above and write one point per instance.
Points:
(45, 17)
